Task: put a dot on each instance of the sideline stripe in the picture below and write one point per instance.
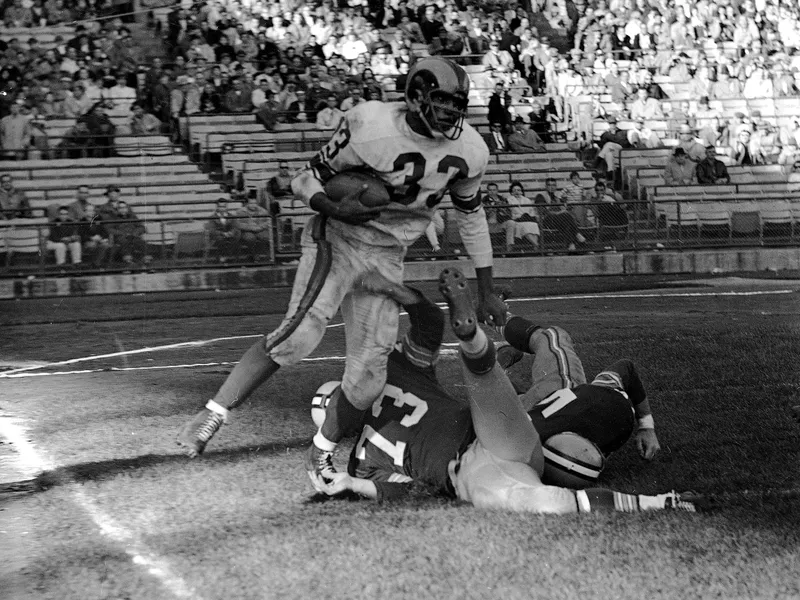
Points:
(198, 343)
(140, 554)
(445, 352)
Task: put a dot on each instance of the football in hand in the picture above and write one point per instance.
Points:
(349, 182)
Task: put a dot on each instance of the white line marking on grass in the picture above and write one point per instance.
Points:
(198, 343)
(444, 352)
(140, 554)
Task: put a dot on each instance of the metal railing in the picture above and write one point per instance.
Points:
(169, 242)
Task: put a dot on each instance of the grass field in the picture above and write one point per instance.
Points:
(122, 515)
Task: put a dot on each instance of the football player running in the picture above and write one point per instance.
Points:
(420, 150)
(489, 453)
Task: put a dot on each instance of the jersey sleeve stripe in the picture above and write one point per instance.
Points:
(322, 170)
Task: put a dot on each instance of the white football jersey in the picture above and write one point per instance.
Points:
(374, 137)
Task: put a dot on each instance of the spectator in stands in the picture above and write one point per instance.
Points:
(706, 121)
(610, 143)
(524, 217)
(642, 136)
(766, 139)
(143, 123)
(330, 116)
(524, 139)
(99, 131)
(355, 96)
(498, 61)
(253, 224)
(279, 186)
(725, 88)
(237, 100)
(300, 111)
(108, 211)
(695, 151)
(607, 212)
(184, 101)
(127, 235)
(499, 105)
(646, 107)
(120, 97)
(555, 214)
(13, 202)
(784, 85)
(64, 234)
(18, 15)
(15, 133)
(542, 118)
(711, 170)
(79, 208)
(94, 236)
(497, 139)
(498, 216)
(679, 170)
(222, 229)
(211, 101)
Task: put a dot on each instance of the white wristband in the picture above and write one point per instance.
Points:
(646, 422)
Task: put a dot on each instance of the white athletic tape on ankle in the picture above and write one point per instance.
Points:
(219, 409)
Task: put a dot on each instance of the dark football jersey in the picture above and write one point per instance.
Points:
(601, 414)
(412, 433)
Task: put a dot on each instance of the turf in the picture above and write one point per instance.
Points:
(242, 522)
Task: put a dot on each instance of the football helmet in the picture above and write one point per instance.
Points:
(321, 399)
(571, 461)
(442, 88)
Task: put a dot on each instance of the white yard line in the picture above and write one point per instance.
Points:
(198, 343)
(32, 460)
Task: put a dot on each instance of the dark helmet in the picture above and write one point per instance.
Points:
(432, 80)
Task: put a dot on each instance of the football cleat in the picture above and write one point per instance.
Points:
(463, 320)
(199, 431)
(508, 356)
(319, 466)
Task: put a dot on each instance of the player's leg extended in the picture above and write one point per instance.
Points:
(501, 425)
(555, 365)
(321, 281)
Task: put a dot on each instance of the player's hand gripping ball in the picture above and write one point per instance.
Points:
(358, 196)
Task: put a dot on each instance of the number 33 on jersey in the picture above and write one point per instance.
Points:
(417, 170)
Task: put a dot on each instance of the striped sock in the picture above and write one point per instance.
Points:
(603, 500)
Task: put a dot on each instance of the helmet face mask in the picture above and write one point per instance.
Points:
(441, 89)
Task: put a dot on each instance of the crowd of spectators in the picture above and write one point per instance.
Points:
(295, 62)
(308, 62)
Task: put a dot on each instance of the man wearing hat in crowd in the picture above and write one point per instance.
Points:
(695, 151)
(184, 101)
(524, 139)
(610, 143)
(679, 170)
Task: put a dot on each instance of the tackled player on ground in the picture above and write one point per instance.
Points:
(488, 453)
